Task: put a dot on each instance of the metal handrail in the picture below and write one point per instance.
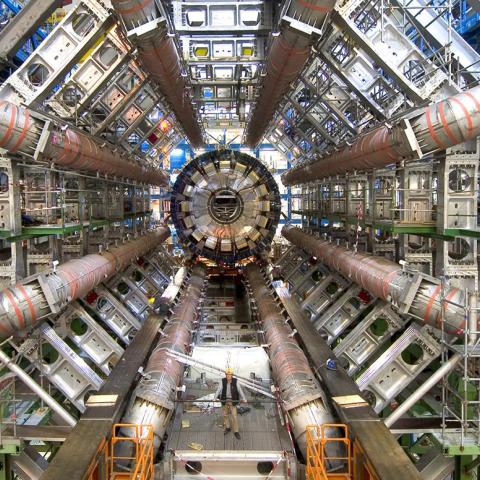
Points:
(141, 467)
(318, 438)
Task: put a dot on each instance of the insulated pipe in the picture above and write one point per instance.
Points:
(435, 127)
(36, 297)
(287, 56)
(155, 394)
(445, 369)
(386, 279)
(20, 132)
(159, 55)
(36, 388)
(298, 388)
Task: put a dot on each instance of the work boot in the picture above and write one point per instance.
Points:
(237, 436)
(226, 431)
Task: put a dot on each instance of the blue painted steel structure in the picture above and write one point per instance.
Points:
(468, 23)
(8, 9)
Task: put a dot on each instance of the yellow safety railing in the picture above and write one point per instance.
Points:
(322, 465)
(131, 445)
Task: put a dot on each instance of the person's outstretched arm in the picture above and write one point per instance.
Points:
(218, 392)
(241, 393)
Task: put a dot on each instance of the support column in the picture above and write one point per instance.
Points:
(456, 213)
(11, 215)
(83, 215)
(416, 210)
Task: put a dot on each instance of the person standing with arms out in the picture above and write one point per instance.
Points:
(230, 393)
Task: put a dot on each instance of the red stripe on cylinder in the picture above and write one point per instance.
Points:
(430, 303)
(33, 314)
(388, 147)
(133, 9)
(312, 6)
(66, 148)
(450, 295)
(475, 101)
(23, 133)
(11, 125)
(386, 282)
(72, 282)
(468, 117)
(14, 304)
(432, 130)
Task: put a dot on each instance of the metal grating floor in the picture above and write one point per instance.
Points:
(260, 428)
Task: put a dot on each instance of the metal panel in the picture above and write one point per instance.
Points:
(68, 372)
(130, 295)
(244, 16)
(388, 47)
(25, 22)
(63, 48)
(100, 347)
(391, 373)
(322, 296)
(343, 312)
(113, 313)
(368, 336)
(92, 75)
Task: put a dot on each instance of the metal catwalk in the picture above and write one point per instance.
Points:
(226, 332)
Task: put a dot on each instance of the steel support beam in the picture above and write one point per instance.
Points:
(289, 51)
(146, 28)
(25, 22)
(37, 297)
(415, 293)
(433, 128)
(36, 388)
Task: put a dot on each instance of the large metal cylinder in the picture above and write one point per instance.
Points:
(36, 297)
(20, 132)
(435, 127)
(299, 389)
(386, 279)
(287, 56)
(225, 206)
(135, 13)
(155, 394)
(158, 53)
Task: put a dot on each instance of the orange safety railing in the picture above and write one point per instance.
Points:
(127, 456)
(314, 468)
(131, 446)
(361, 466)
(98, 469)
(329, 456)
